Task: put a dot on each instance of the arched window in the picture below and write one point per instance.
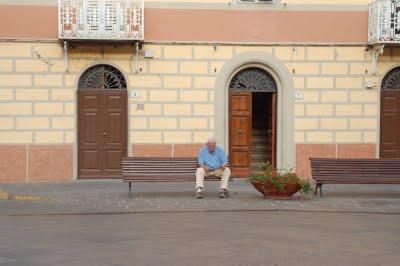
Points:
(392, 80)
(102, 77)
(253, 79)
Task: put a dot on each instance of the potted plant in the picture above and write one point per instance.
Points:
(279, 184)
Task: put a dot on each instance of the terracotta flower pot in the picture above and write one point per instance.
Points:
(273, 192)
(259, 186)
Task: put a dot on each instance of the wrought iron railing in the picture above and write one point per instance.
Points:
(101, 19)
(384, 22)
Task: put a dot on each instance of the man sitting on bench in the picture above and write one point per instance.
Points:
(212, 161)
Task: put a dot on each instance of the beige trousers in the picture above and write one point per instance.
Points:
(224, 174)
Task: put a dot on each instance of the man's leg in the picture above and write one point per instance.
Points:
(200, 174)
(225, 175)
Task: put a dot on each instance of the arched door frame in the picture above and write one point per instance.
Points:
(76, 85)
(379, 105)
(285, 147)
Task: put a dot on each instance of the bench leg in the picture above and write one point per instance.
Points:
(320, 191)
(130, 190)
(318, 185)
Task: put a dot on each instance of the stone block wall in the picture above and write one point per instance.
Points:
(176, 87)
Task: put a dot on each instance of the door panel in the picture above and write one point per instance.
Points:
(240, 131)
(91, 160)
(114, 128)
(240, 159)
(113, 162)
(102, 132)
(240, 117)
(390, 124)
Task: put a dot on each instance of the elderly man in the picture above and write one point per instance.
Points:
(212, 161)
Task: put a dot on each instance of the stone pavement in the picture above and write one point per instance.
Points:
(111, 196)
(201, 238)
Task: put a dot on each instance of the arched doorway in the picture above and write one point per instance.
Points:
(102, 122)
(252, 120)
(390, 115)
(285, 145)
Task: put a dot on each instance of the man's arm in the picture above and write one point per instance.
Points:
(200, 157)
(223, 159)
(201, 160)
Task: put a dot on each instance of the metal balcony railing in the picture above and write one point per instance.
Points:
(384, 22)
(110, 20)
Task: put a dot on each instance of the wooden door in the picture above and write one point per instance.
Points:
(240, 116)
(390, 124)
(102, 132)
(272, 128)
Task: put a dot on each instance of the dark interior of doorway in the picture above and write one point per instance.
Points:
(261, 130)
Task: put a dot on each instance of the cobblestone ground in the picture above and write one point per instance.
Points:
(110, 196)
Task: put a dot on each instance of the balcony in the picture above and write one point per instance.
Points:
(102, 20)
(384, 22)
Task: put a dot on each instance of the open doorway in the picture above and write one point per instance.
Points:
(262, 137)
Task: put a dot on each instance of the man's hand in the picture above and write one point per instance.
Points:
(223, 167)
(206, 168)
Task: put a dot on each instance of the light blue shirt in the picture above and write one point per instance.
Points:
(213, 160)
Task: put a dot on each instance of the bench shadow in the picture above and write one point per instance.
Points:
(164, 194)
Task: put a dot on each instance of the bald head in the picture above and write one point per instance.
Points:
(211, 144)
(211, 140)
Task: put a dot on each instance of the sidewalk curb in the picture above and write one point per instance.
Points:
(192, 211)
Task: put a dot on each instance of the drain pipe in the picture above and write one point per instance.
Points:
(137, 57)
(65, 56)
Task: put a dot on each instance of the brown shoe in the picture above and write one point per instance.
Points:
(223, 193)
(199, 194)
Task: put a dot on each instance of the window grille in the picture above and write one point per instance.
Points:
(103, 77)
(392, 80)
(253, 79)
(101, 19)
(384, 22)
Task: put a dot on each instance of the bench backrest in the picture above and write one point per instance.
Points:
(369, 170)
(145, 166)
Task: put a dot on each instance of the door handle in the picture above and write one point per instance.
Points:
(104, 133)
(240, 132)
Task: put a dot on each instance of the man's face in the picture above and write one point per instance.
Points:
(211, 146)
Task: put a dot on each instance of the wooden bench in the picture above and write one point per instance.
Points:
(160, 169)
(354, 171)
